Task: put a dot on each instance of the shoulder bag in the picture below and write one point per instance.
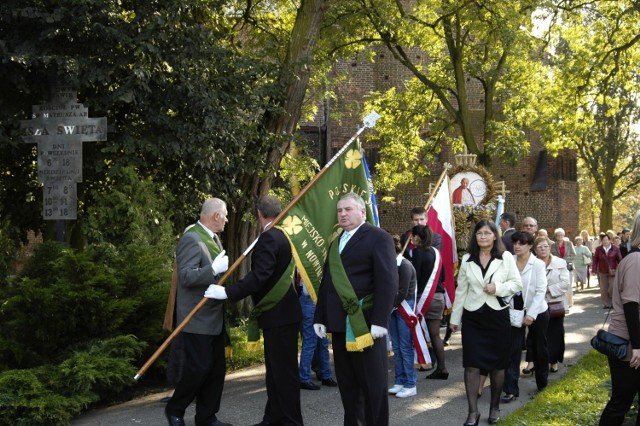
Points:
(556, 309)
(516, 316)
(609, 344)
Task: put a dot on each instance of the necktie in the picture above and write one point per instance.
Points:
(217, 240)
(343, 240)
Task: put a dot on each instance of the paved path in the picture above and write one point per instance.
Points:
(440, 402)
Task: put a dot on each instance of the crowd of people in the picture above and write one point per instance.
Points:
(512, 292)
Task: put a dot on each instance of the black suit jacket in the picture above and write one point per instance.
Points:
(369, 259)
(506, 239)
(269, 260)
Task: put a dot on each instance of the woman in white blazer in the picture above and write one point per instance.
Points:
(558, 283)
(534, 287)
(487, 274)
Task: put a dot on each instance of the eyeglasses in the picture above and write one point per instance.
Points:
(542, 247)
(484, 234)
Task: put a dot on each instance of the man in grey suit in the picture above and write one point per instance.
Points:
(361, 274)
(200, 261)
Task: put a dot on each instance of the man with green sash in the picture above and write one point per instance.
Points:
(277, 312)
(355, 300)
(200, 261)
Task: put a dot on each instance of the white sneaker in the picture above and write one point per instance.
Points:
(405, 392)
(395, 389)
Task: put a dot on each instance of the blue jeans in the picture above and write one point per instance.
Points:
(312, 343)
(402, 343)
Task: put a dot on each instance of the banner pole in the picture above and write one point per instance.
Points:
(369, 122)
(447, 166)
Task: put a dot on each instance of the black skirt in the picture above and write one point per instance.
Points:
(486, 338)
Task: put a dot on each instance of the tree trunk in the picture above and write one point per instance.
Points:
(294, 80)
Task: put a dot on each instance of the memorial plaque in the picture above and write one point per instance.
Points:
(59, 128)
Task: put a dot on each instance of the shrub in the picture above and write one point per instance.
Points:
(54, 394)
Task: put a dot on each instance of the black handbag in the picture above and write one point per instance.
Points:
(609, 344)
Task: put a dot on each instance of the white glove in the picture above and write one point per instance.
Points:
(220, 263)
(321, 330)
(399, 259)
(378, 332)
(216, 291)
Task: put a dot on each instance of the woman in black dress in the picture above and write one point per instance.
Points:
(487, 274)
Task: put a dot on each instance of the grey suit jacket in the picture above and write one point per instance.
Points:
(195, 274)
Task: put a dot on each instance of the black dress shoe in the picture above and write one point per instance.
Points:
(494, 420)
(472, 423)
(329, 382)
(508, 398)
(175, 420)
(438, 375)
(309, 386)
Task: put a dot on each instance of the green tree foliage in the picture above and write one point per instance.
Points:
(594, 99)
(452, 48)
(184, 106)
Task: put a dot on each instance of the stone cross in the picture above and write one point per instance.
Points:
(59, 128)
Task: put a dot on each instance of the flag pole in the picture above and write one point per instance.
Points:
(368, 122)
(447, 166)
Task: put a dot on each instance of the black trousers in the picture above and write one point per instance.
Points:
(282, 379)
(512, 372)
(202, 378)
(625, 385)
(362, 380)
(555, 339)
(540, 349)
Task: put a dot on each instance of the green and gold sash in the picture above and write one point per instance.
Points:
(207, 239)
(358, 336)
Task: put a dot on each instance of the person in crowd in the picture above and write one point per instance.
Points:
(277, 311)
(625, 323)
(591, 245)
(564, 249)
(536, 317)
(557, 286)
(625, 242)
(581, 263)
(507, 226)
(406, 375)
(360, 272)
(542, 233)
(418, 217)
(529, 224)
(487, 274)
(605, 261)
(617, 240)
(312, 346)
(424, 263)
(200, 260)
(463, 195)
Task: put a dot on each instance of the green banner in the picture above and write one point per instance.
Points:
(312, 223)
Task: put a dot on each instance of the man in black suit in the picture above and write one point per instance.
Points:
(276, 306)
(508, 227)
(625, 242)
(360, 266)
(200, 260)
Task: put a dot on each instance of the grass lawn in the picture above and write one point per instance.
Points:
(576, 399)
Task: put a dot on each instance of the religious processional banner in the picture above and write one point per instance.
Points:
(312, 223)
